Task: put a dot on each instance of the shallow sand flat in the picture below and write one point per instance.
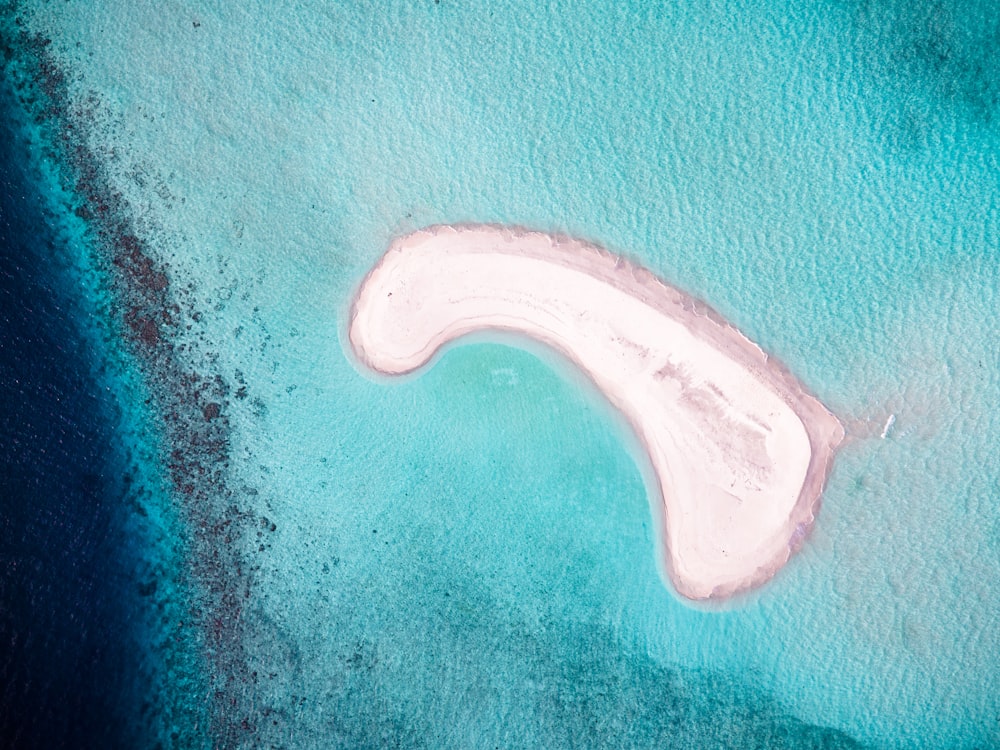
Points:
(739, 449)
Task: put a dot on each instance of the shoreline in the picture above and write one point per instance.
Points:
(739, 449)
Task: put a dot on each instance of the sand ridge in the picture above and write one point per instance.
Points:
(739, 448)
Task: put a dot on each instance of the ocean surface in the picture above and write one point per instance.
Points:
(216, 532)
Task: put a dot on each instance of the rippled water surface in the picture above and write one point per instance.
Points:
(467, 558)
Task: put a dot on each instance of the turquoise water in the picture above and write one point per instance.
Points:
(467, 558)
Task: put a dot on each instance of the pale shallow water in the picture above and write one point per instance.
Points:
(467, 557)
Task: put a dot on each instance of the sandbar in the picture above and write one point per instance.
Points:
(739, 448)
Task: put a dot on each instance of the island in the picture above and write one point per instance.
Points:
(739, 448)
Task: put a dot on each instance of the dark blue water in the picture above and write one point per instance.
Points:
(69, 671)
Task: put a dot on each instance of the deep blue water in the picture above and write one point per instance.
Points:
(68, 595)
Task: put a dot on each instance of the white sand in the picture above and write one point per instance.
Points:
(739, 449)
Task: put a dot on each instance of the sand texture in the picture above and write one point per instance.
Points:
(739, 449)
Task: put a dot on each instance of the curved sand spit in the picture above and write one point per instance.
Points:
(740, 450)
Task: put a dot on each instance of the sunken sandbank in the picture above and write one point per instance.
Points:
(739, 449)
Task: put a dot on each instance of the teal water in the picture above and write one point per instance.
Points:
(467, 558)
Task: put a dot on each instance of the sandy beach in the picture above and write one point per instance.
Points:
(739, 448)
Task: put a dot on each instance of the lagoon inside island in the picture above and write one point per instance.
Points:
(739, 448)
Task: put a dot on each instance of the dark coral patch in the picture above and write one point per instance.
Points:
(150, 313)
